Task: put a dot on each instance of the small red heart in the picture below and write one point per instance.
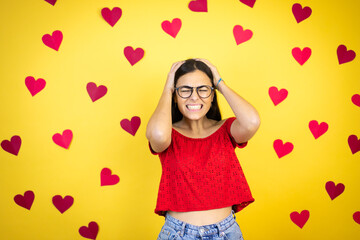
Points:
(301, 56)
(300, 218)
(53, 41)
(25, 201)
(198, 6)
(249, 3)
(63, 140)
(301, 13)
(334, 190)
(111, 16)
(12, 146)
(282, 149)
(133, 56)
(95, 92)
(108, 179)
(356, 99)
(131, 126)
(318, 129)
(345, 55)
(241, 35)
(356, 217)
(89, 232)
(354, 144)
(276, 95)
(52, 2)
(34, 86)
(62, 204)
(172, 28)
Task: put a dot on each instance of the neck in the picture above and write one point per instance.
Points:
(195, 126)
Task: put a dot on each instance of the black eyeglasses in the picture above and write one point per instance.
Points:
(203, 91)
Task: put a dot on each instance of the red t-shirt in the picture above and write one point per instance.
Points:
(202, 173)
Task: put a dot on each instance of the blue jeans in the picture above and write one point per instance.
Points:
(174, 229)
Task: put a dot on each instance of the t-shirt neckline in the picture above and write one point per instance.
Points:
(214, 133)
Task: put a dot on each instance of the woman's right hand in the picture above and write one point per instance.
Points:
(171, 75)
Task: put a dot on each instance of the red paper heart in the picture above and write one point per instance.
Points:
(171, 28)
(333, 190)
(34, 86)
(133, 56)
(25, 201)
(276, 95)
(356, 217)
(282, 149)
(300, 13)
(345, 55)
(241, 35)
(89, 232)
(62, 204)
(63, 140)
(12, 146)
(53, 41)
(131, 126)
(354, 144)
(52, 2)
(318, 129)
(300, 218)
(356, 99)
(95, 92)
(301, 56)
(249, 3)
(198, 6)
(111, 16)
(108, 179)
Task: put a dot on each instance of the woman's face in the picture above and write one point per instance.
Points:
(194, 107)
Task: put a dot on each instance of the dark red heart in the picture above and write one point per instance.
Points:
(62, 204)
(172, 28)
(354, 144)
(111, 16)
(90, 232)
(133, 56)
(249, 3)
(300, 218)
(334, 190)
(198, 6)
(53, 41)
(25, 201)
(356, 99)
(131, 126)
(318, 129)
(12, 146)
(52, 2)
(356, 217)
(345, 55)
(300, 13)
(95, 92)
(34, 86)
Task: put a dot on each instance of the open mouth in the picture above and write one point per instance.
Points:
(194, 107)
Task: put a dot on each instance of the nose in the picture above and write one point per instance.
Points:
(194, 95)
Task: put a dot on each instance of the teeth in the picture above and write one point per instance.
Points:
(193, 107)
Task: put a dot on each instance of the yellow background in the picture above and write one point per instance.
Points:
(92, 51)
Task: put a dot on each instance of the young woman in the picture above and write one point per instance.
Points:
(202, 184)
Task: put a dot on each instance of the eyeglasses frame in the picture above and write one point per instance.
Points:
(192, 90)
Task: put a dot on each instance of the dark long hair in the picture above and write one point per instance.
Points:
(188, 66)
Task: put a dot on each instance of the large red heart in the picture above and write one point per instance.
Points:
(52, 2)
(53, 41)
(62, 204)
(276, 95)
(318, 129)
(300, 13)
(249, 3)
(198, 6)
(345, 55)
(354, 144)
(111, 16)
(25, 201)
(282, 149)
(334, 190)
(300, 218)
(172, 28)
(63, 140)
(106, 178)
(241, 35)
(131, 126)
(356, 217)
(133, 56)
(356, 99)
(34, 86)
(95, 92)
(12, 146)
(301, 56)
(89, 232)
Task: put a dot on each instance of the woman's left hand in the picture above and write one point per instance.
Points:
(216, 75)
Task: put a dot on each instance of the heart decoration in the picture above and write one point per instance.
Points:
(63, 140)
(249, 3)
(12, 146)
(172, 28)
(25, 201)
(334, 190)
(53, 41)
(107, 179)
(198, 6)
(354, 144)
(282, 149)
(34, 86)
(131, 126)
(52, 2)
(318, 129)
(356, 217)
(300, 218)
(356, 99)
(277, 96)
(62, 204)
(90, 232)
(301, 56)
(111, 16)
(345, 55)
(241, 35)
(301, 13)
(133, 56)
(95, 92)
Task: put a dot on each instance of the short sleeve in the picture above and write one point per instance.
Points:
(228, 123)
(151, 150)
